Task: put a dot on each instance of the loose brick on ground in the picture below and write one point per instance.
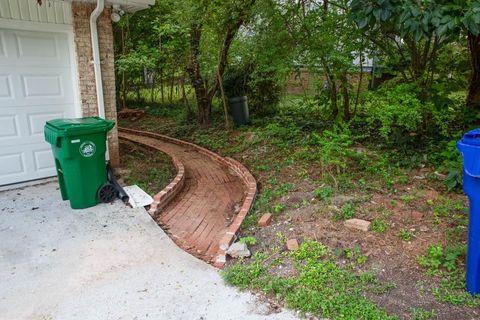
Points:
(357, 224)
(265, 220)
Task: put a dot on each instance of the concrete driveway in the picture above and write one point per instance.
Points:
(106, 262)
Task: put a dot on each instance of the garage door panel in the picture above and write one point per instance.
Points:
(31, 163)
(24, 125)
(36, 122)
(29, 48)
(42, 85)
(35, 86)
(6, 91)
(12, 164)
(36, 46)
(44, 160)
(3, 50)
(9, 128)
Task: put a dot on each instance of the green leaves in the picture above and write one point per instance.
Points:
(436, 258)
(454, 179)
(363, 22)
(420, 19)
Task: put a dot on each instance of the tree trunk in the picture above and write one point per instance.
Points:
(201, 92)
(359, 87)
(473, 98)
(161, 86)
(124, 91)
(225, 109)
(172, 84)
(204, 92)
(185, 99)
(333, 98)
(152, 92)
(346, 97)
(203, 111)
(139, 97)
(124, 77)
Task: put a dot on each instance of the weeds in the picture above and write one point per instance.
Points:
(445, 263)
(320, 287)
(346, 212)
(451, 290)
(422, 314)
(436, 258)
(405, 235)
(323, 193)
(250, 240)
(407, 198)
(378, 225)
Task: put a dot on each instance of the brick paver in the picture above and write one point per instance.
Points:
(200, 214)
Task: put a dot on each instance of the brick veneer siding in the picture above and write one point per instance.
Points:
(88, 95)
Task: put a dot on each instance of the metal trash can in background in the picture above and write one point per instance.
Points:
(79, 147)
(469, 146)
(239, 110)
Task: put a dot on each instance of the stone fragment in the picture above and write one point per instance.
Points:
(358, 224)
(265, 220)
(238, 250)
(292, 244)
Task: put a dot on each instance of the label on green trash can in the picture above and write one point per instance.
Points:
(87, 149)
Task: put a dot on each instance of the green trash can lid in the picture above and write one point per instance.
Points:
(76, 126)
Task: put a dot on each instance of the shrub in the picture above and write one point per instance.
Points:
(393, 112)
(401, 115)
(261, 87)
(334, 146)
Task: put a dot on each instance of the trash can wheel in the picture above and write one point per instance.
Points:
(107, 193)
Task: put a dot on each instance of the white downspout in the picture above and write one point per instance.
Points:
(96, 56)
(96, 62)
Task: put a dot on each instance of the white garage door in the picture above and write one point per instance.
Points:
(35, 86)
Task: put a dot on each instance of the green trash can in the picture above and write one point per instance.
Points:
(79, 147)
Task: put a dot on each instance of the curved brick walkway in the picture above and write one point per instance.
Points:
(201, 213)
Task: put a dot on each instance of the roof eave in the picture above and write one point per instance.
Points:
(133, 5)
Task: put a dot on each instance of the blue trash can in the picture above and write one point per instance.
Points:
(469, 146)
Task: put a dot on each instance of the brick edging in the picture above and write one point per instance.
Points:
(239, 169)
(163, 198)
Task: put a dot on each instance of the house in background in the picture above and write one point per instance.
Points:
(53, 66)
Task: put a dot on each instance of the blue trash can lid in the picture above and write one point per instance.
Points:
(472, 137)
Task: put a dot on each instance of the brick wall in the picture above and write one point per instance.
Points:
(300, 82)
(306, 82)
(81, 26)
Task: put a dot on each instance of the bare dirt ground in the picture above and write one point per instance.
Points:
(389, 257)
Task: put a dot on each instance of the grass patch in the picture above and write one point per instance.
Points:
(422, 314)
(320, 286)
(150, 169)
